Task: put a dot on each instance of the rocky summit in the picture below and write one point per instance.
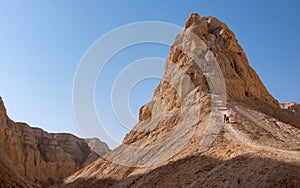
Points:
(31, 157)
(181, 139)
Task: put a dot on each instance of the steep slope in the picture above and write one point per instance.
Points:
(9, 175)
(31, 157)
(181, 140)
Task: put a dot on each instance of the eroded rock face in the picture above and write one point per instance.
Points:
(98, 146)
(35, 157)
(241, 80)
(258, 148)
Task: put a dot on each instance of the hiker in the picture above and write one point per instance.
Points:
(205, 67)
(226, 119)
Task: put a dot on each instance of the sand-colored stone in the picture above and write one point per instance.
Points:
(292, 107)
(98, 146)
(31, 157)
(258, 148)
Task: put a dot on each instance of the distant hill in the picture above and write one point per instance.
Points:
(31, 157)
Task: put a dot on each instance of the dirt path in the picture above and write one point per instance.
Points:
(244, 139)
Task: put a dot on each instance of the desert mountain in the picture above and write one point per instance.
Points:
(181, 140)
(31, 157)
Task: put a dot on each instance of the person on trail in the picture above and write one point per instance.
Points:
(226, 119)
(205, 67)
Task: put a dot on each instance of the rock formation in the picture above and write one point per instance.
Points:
(180, 139)
(292, 107)
(31, 157)
(98, 146)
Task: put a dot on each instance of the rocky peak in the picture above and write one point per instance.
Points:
(241, 80)
(195, 21)
(180, 141)
(211, 42)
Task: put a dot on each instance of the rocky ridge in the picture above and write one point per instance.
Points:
(31, 157)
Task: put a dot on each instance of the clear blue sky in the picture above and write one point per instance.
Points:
(42, 42)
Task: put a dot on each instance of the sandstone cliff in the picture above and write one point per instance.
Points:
(31, 157)
(181, 141)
